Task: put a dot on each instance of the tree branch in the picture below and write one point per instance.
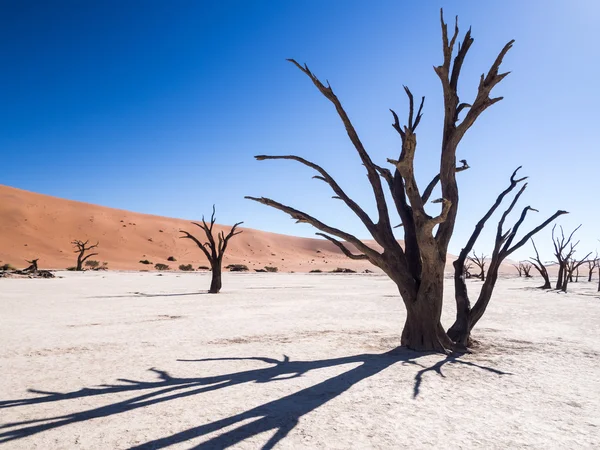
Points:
(341, 246)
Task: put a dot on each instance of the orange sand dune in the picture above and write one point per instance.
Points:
(40, 226)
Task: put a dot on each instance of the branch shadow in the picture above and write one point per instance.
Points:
(281, 415)
(143, 295)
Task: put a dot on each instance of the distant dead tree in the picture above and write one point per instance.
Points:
(81, 248)
(479, 262)
(33, 266)
(519, 269)
(467, 316)
(572, 266)
(592, 264)
(418, 268)
(467, 270)
(526, 268)
(213, 249)
(563, 250)
(541, 268)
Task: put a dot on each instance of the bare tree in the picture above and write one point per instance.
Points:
(541, 268)
(479, 262)
(33, 266)
(563, 250)
(592, 264)
(467, 316)
(418, 268)
(572, 265)
(526, 268)
(519, 269)
(81, 248)
(213, 249)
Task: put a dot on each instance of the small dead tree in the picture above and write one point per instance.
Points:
(572, 266)
(81, 248)
(467, 316)
(479, 262)
(541, 268)
(563, 250)
(526, 268)
(33, 267)
(592, 265)
(213, 249)
(519, 268)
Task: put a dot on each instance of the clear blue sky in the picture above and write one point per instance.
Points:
(159, 106)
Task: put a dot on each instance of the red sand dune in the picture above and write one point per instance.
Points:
(40, 226)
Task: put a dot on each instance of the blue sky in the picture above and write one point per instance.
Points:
(159, 106)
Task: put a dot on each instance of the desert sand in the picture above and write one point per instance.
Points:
(145, 360)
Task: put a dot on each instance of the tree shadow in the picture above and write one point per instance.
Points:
(280, 415)
(143, 295)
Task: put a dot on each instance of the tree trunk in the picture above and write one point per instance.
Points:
(215, 284)
(459, 331)
(79, 262)
(591, 272)
(422, 329)
(561, 275)
(547, 284)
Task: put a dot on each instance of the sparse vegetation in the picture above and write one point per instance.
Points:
(203, 268)
(6, 267)
(161, 267)
(316, 271)
(145, 261)
(342, 270)
(171, 258)
(186, 267)
(72, 269)
(271, 269)
(92, 264)
(237, 267)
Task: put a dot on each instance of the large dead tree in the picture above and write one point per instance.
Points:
(81, 248)
(467, 316)
(541, 268)
(480, 262)
(213, 249)
(563, 250)
(418, 268)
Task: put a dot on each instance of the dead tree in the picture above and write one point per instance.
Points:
(541, 268)
(526, 268)
(33, 267)
(563, 250)
(592, 264)
(81, 248)
(519, 268)
(418, 268)
(467, 316)
(479, 262)
(213, 249)
(572, 265)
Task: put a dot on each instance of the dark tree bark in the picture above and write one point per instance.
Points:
(480, 263)
(592, 264)
(563, 250)
(81, 248)
(541, 268)
(213, 249)
(418, 268)
(467, 317)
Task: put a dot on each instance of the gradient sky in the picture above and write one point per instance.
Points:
(159, 106)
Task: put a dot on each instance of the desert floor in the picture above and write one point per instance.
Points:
(120, 360)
